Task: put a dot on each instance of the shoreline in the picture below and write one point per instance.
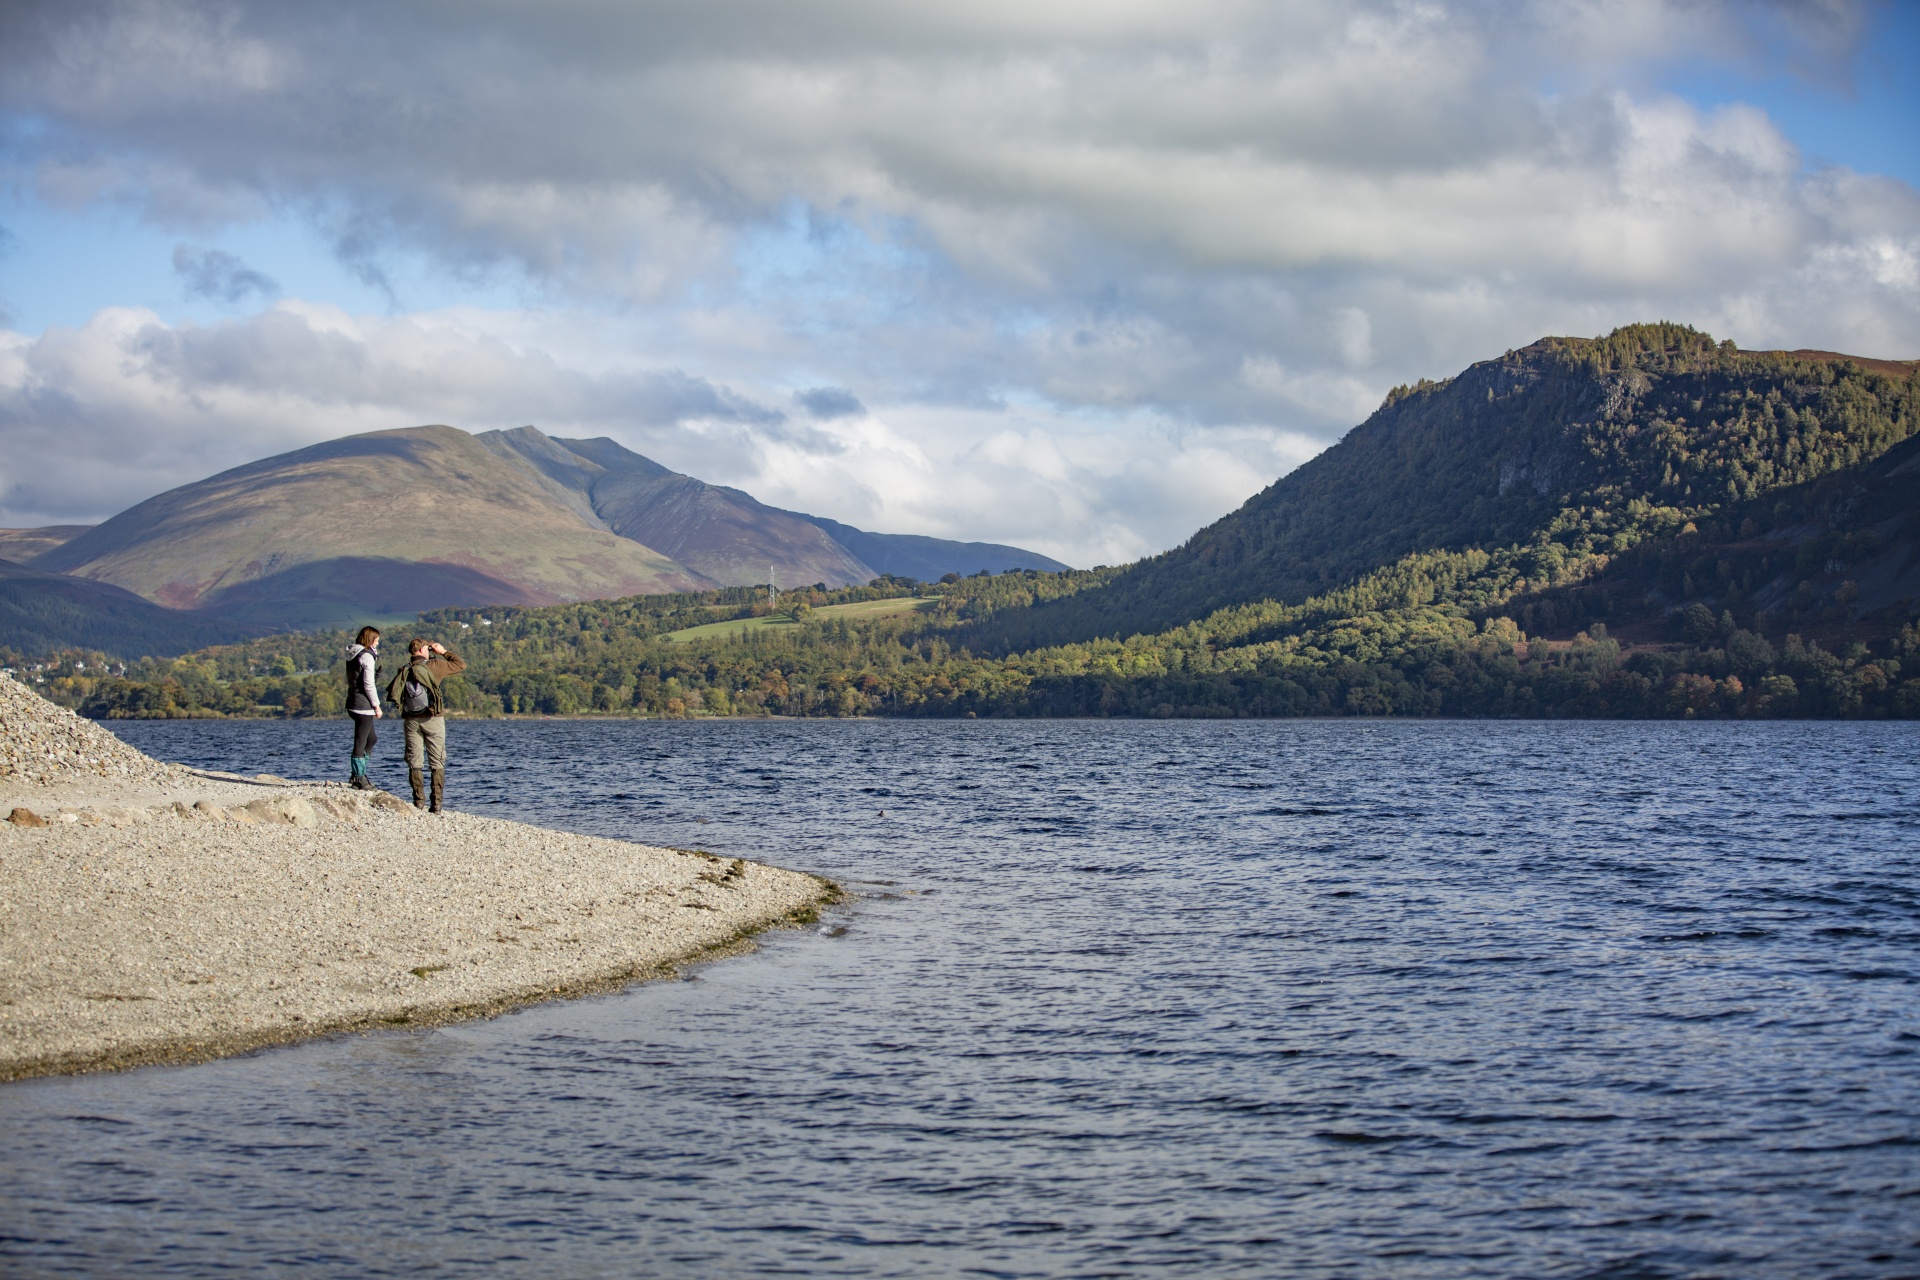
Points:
(190, 1052)
(185, 1051)
(191, 929)
(152, 914)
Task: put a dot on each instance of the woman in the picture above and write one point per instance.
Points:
(363, 702)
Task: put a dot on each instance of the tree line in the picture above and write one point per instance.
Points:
(1436, 641)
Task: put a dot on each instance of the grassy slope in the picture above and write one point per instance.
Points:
(386, 501)
(22, 545)
(860, 611)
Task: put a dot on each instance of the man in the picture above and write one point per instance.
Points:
(415, 689)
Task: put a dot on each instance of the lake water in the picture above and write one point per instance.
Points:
(1304, 999)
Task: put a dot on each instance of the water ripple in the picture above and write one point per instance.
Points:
(1245, 999)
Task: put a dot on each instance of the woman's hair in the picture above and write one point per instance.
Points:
(368, 635)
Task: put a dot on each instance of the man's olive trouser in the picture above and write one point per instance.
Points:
(427, 737)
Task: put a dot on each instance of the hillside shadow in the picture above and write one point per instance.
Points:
(347, 589)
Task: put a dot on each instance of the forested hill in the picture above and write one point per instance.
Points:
(1647, 525)
(1582, 441)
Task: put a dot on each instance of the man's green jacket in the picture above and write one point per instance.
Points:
(429, 671)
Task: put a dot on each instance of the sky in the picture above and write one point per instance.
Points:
(1078, 276)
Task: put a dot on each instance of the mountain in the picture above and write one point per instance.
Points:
(42, 612)
(385, 523)
(377, 527)
(910, 555)
(1587, 444)
(726, 536)
(730, 536)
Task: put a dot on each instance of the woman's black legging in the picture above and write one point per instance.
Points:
(363, 735)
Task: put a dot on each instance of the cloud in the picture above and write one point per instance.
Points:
(1269, 137)
(220, 277)
(161, 405)
(829, 402)
(1098, 271)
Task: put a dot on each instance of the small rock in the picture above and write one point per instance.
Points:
(25, 817)
(390, 802)
(208, 809)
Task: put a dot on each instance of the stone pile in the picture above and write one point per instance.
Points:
(42, 743)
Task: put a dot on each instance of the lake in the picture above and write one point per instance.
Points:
(1312, 999)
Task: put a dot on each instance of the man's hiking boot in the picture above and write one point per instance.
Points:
(439, 785)
(419, 782)
(361, 782)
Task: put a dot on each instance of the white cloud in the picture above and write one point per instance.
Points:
(161, 405)
(1092, 271)
(611, 149)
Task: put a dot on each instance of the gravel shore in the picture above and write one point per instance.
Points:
(150, 913)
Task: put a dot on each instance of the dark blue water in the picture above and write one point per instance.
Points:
(1167, 999)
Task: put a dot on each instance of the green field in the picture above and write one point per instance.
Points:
(860, 611)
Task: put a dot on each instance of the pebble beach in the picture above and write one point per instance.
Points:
(155, 914)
